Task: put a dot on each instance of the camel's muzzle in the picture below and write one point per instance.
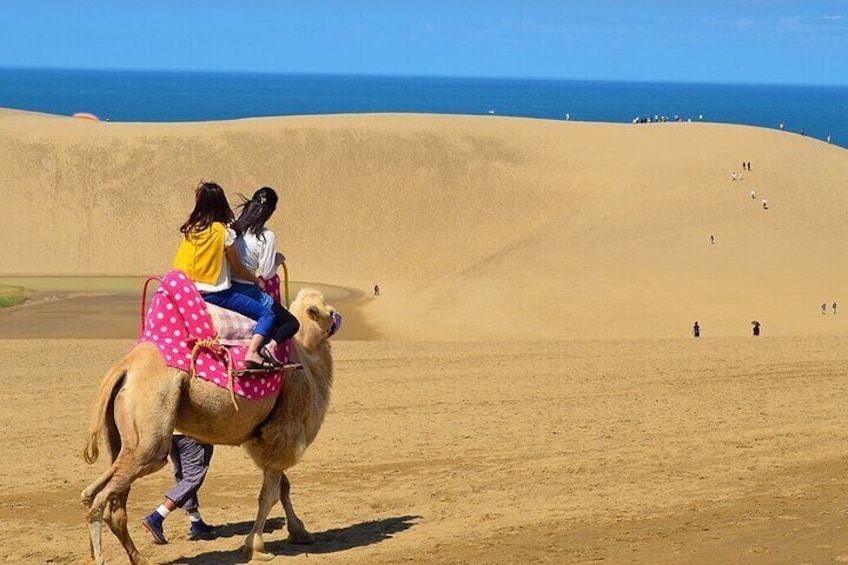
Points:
(337, 323)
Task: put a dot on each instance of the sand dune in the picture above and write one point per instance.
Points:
(476, 227)
(472, 420)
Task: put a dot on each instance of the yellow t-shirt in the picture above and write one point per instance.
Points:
(201, 257)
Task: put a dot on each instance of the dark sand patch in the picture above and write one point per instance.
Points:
(86, 315)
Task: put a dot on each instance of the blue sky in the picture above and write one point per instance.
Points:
(751, 41)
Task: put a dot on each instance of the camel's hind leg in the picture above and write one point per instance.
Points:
(124, 471)
(297, 531)
(95, 530)
(254, 546)
(116, 517)
(143, 417)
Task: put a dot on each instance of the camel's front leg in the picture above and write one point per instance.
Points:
(254, 546)
(297, 531)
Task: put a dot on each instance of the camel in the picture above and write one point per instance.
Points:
(141, 401)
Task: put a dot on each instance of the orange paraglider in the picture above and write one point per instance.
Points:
(86, 116)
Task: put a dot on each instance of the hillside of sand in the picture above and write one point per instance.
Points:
(476, 228)
(470, 421)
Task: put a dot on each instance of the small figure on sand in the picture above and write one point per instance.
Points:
(376, 290)
(712, 240)
(753, 195)
(824, 308)
(834, 308)
(782, 126)
(696, 330)
(828, 140)
(733, 176)
(765, 204)
(756, 325)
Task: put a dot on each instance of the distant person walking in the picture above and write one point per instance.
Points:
(756, 325)
(828, 140)
(712, 240)
(834, 308)
(753, 195)
(824, 308)
(696, 330)
(376, 290)
(765, 204)
(782, 126)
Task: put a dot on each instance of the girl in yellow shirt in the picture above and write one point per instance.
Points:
(206, 255)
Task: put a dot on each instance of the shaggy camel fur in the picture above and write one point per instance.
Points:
(141, 400)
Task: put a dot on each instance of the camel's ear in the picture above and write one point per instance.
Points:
(313, 312)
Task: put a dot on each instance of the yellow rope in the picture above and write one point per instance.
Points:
(215, 346)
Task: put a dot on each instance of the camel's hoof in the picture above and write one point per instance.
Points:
(260, 556)
(301, 538)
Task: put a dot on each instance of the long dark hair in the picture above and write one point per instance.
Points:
(210, 205)
(256, 211)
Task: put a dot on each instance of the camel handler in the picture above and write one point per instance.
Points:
(191, 460)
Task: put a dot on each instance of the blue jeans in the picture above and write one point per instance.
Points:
(234, 299)
(285, 324)
(254, 292)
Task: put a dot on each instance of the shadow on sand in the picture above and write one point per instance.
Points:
(331, 541)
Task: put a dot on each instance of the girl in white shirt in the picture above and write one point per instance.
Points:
(257, 249)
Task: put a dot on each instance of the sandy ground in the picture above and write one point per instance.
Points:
(525, 390)
(621, 451)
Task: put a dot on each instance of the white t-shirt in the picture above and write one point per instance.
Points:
(224, 278)
(257, 254)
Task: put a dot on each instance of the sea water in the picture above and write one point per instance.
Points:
(141, 96)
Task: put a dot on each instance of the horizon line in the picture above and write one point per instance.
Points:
(414, 76)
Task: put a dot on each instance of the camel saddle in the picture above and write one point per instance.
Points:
(204, 340)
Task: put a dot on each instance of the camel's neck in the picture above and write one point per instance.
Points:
(320, 365)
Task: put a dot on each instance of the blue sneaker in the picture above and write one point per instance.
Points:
(153, 524)
(201, 530)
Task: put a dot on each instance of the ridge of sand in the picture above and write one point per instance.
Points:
(475, 227)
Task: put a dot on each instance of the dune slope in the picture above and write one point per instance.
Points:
(476, 228)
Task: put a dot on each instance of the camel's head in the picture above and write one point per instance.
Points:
(318, 320)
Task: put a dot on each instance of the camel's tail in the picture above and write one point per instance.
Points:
(102, 410)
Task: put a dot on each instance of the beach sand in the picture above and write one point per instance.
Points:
(525, 390)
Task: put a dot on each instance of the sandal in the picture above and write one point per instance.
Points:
(264, 365)
(266, 353)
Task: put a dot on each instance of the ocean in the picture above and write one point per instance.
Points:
(141, 96)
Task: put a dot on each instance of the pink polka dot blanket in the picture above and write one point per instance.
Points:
(205, 340)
